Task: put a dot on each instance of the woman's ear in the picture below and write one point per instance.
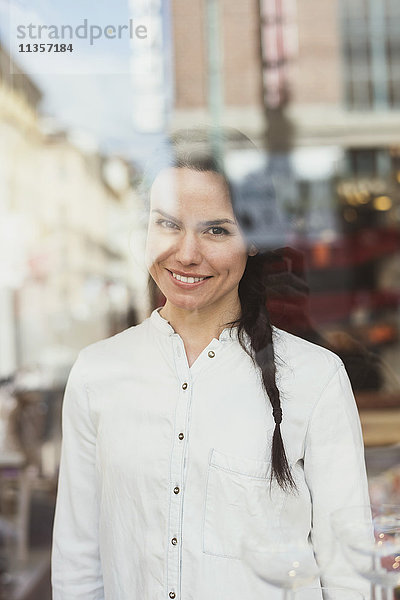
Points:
(253, 250)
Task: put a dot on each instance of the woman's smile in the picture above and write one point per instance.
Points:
(188, 281)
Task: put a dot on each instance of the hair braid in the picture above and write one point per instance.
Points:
(255, 322)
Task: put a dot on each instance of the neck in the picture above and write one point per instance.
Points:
(200, 326)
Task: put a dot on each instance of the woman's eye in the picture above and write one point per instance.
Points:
(166, 224)
(218, 231)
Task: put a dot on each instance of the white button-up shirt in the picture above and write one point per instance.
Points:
(165, 469)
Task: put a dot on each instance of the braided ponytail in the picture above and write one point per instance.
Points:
(254, 321)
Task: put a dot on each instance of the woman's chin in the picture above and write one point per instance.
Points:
(191, 304)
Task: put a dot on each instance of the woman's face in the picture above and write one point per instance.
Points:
(195, 251)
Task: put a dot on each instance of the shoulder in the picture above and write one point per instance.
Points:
(304, 359)
(115, 349)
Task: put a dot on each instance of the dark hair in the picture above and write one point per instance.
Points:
(202, 150)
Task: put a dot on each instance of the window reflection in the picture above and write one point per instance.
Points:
(316, 85)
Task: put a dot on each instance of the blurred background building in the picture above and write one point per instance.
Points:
(67, 212)
(317, 87)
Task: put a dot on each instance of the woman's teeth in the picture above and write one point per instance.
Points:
(187, 279)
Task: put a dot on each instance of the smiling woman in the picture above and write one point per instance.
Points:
(196, 263)
(203, 426)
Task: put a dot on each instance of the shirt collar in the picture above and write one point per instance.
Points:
(164, 326)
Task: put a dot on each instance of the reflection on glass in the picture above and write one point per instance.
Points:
(288, 565)
(371, 540)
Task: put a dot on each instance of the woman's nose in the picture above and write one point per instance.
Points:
(188, 249)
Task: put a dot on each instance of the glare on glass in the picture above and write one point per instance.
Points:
(370, 536)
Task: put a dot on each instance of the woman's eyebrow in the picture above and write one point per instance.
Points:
(212, 223)
(166, 215)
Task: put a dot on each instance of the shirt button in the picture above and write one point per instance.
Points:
(184, 386)
(171, 594)
(181, 436)
(176, 490)
(174, 541)
(211, 354)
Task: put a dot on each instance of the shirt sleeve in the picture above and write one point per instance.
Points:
(335, 473)
(76, 568)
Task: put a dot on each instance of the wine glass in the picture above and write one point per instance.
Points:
(281, 561)
(327, 593)
(370, 536)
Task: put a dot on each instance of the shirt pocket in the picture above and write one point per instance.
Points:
(240, 501)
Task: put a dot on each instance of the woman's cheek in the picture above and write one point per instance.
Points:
(157, 248)
(229, 254)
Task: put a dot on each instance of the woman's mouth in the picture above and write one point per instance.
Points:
(187, 281)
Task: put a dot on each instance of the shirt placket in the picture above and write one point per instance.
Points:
(178, 458)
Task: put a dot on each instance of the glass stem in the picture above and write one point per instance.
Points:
(389, 593)
(288, 594)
